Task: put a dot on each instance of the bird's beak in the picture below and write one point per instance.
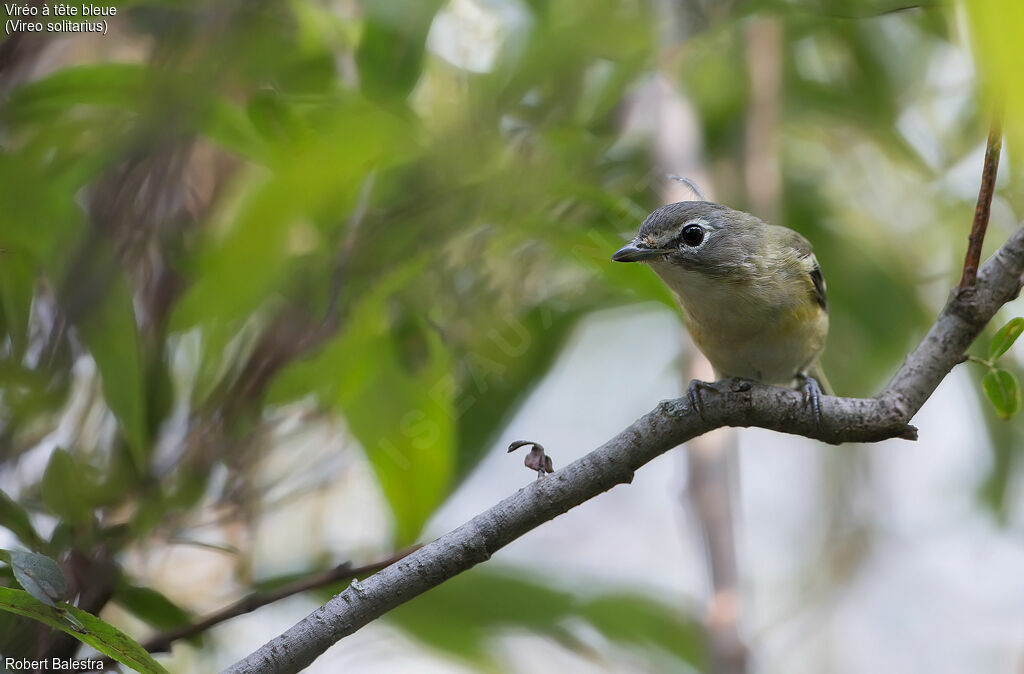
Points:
(633, 253)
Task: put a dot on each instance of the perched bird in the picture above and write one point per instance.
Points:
(752, 294)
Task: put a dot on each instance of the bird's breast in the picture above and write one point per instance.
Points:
(753, 330)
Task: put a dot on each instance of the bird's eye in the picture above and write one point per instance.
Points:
(693, 235)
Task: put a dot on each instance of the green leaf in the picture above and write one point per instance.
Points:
(14, 518)
(93, 632)
(229, 126)
(271, 116)
(402, 417)
(17, 282)
(112, 335)
(390, 53)
(637, 620)
(17, 634)
(1004, 338)
(150, 606)
(39, 575)
(1003, 391)
(308, 187)
(503, 366)
(996, 27)
(106, 84)
(996, 491)
(459, 616)
(391, 378)
(124, 85)
(68, 488)
(32, 196)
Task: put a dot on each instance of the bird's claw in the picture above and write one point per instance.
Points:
(693, 393)
(811, 390)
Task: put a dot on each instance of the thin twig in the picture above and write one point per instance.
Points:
(984, 206)
(347, 247)
(923, 6)
(161, 643)
(251, 602)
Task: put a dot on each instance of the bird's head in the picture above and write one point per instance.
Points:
(696, 236)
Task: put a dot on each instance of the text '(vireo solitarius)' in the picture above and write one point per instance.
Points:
(752, 294)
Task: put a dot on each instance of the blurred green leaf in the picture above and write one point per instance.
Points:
(639, 621)
(404, 420)
(996, 27)
(69, 488)
(459, 616)
(1004, 338)
(273, 117)
(150, 606)
(504, 364)
(105, 84)
(16, 633)
(32, 196)
(31, 393)
(309, 191)
(17, 284)
(396, 395)
(93, 632)
(15, 519)
(111, 333)
(126, 85)
(38, 575)
(390, 54)
(1003, 391)
(230, 127)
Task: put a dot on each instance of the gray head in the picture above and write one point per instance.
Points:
(700, 236)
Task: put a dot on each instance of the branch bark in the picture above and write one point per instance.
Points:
(670, 424)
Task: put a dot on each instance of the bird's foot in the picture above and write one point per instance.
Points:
(696, 388)
(811, 390)
(694, 394)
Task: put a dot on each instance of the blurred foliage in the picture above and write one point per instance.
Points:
(228, 217)
(454, 620)
(996, 26)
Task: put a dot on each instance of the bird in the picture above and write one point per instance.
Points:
(752, 295)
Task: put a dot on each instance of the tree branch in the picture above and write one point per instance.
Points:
(984, 206)
(671, 423)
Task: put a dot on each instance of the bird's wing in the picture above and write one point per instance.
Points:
(802, 248)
